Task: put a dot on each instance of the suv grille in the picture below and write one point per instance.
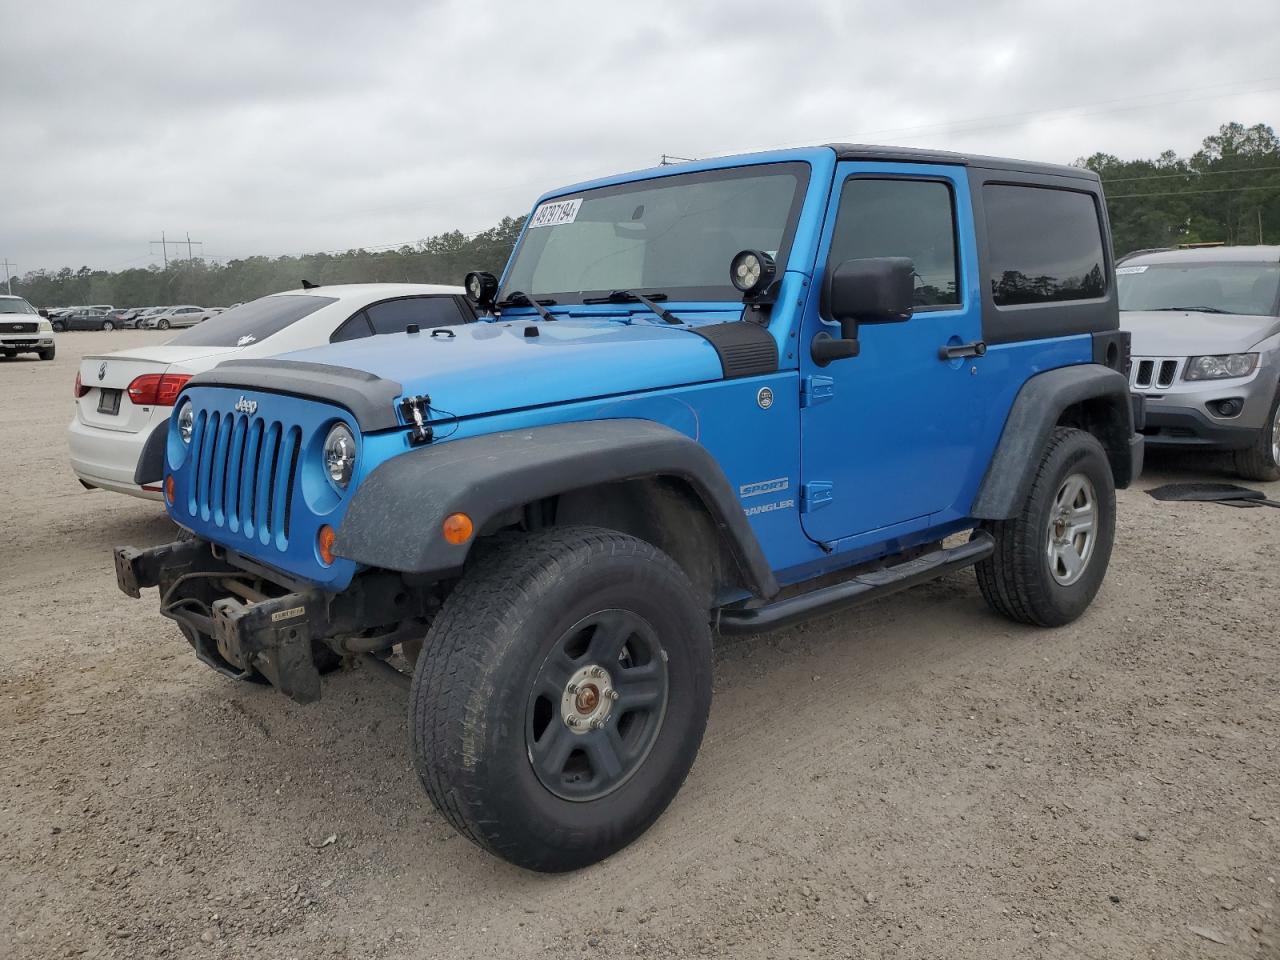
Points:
(244, 469)
(1154, 373)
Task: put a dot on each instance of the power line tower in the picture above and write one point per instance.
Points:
(164, 246)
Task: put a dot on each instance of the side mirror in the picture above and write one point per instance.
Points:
(43, 312)
(875, 290)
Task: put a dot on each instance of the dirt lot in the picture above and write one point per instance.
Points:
(919, 779)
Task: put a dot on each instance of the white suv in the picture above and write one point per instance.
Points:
(123, 399)
(23, 330)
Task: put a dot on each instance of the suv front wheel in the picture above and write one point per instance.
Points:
(1051, 556)
(1261, 462)
(561, 696)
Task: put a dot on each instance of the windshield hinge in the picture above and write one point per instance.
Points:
(414, 411)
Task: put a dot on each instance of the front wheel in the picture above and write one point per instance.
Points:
(57, 327)
(47, 353)
(1051, 556)
(1261, 462)
(562, 696)
(108, 325)
(162, 324)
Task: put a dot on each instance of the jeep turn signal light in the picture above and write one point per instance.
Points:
(168, 489)
(458, 528)
(157, 389)
(324, 543)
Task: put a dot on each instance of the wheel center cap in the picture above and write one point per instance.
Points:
(588, 699)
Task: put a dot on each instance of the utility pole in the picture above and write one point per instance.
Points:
(198, 243)
(8, 281)
(164, 248)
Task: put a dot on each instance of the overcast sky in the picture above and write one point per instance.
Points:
(269, 127)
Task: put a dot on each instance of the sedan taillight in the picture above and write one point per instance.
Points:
(81, 389)
(157, 389)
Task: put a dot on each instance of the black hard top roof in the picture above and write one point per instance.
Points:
(865, 151)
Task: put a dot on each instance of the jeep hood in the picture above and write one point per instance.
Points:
(1185, 333)
(480, 368)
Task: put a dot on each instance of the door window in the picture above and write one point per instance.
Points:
(392, 316)
(901, 218)
(1045, 245)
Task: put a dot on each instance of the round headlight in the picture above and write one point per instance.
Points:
(340, 455)
(186, 421)
(751, 271)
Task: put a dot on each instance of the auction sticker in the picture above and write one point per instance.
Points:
(555, 212)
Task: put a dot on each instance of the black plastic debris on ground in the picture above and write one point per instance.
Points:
(1225, 493)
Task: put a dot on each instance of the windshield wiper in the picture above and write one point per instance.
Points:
(630, 296)
(1195, 309)
(518, 298)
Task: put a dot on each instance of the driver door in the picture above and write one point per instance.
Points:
(888, 435)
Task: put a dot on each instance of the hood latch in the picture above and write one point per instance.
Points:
(414, 411)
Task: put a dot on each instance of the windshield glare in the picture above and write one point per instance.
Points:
(252, 322)
(1242, 288)
(15, 305)
(673, 235)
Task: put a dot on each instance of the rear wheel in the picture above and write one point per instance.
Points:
(1051, 557)
(562, 696)
(1261, 461)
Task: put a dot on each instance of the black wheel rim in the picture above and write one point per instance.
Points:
(597, 705)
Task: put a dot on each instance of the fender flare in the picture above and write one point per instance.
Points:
(1036, 410)
(395, 518)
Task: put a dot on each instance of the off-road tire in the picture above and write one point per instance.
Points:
(472, 693)
(1016, 580)
(1258, 462)
(47, 353)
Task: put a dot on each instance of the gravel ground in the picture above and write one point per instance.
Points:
(916, 779)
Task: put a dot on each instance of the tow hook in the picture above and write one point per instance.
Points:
(413, 410)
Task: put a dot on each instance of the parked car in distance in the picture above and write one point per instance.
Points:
(703, 383)
(23, 330)
(186, 315)
(1206, 350)
(123, 399)
(85, 319)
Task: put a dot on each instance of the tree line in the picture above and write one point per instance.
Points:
(1227, 191)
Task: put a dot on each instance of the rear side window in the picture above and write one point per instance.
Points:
(252, 322)
(1044, 245)
(392, 316)
(901, 218)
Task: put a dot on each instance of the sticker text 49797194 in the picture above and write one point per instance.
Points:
(555, 212)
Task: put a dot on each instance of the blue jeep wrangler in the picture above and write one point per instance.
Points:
(727, 395)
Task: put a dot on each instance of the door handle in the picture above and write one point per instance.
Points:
(958, 351)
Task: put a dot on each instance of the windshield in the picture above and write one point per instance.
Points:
(251, 322)
(674, 235)
(15, 305)
(1242, 288)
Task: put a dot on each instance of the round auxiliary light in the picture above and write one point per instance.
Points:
(481, 287)
(186, 422)
(751, 271)
(339, 455)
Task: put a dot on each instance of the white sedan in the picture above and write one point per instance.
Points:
(123, 399)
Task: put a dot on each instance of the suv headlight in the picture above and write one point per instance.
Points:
(1221, 367)
(340, 455)
(186, 422)
(44, 326)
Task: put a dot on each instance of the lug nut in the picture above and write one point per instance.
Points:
(597, 672)
(573, 688)
(571, 720)
(613, 694)
(597, 723)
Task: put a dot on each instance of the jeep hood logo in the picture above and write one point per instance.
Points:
(247, 406)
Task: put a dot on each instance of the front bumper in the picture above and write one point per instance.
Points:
(25, 342)
(242, 620)
(1173, 426)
